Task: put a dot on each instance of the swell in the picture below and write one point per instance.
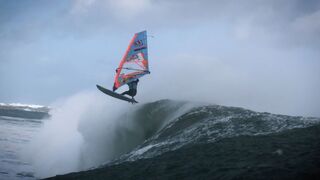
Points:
(142, 123)
(210, 123)
(289, 154)
(24, 111)
(85, 131)
(99, 135)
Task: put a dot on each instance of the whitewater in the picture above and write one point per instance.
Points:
(167, 139)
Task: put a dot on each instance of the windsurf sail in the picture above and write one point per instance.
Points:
(134, 63)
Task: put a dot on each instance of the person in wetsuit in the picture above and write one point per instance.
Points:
(132, 89)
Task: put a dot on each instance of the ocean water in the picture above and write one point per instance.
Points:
(164, 139)
(18, 125)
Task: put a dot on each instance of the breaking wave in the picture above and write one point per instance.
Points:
(80, 136)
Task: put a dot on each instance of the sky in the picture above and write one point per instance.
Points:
(261, 55)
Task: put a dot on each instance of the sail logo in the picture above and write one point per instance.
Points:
(138, 43)
(136, 57)
(133, 58)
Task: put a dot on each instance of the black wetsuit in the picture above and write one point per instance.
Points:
(132, 88)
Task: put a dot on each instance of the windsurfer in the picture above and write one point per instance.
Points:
(132, 88)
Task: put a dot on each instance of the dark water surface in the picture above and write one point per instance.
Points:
(178, 140)
(17, 127)
(217, 142)
(291, 154)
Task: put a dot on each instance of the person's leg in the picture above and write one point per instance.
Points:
(131, 92)
(126, 92)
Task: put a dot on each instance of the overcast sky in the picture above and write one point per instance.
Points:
(257, 54)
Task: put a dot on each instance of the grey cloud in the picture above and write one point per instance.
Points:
(289, 23)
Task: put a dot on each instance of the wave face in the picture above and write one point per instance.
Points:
(207, 124)
(164, 134)
(86, 131)
(140, 124)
